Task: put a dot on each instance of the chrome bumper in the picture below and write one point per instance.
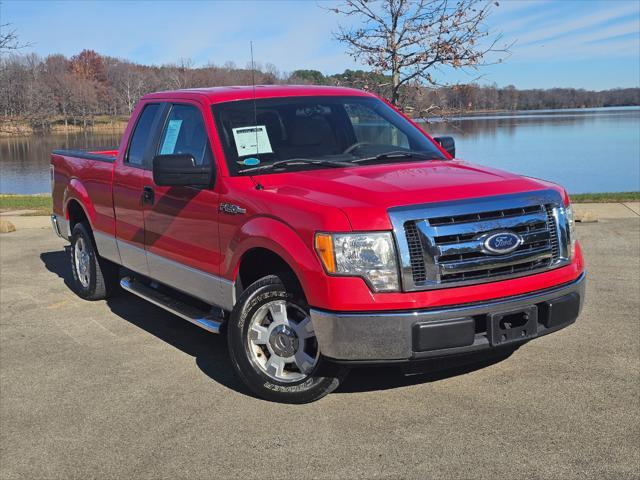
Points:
(60, 226)
(390, 336)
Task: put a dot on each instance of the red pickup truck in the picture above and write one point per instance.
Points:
(319, 228)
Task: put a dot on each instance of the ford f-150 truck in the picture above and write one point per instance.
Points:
(318, 228)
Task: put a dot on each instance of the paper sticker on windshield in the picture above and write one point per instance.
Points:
(171, 137)
(252, 140)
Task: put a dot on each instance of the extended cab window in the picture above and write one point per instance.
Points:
(316, 132)
(185, 133)
(140, 136)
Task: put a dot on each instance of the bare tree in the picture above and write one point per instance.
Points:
(411, 38)
(129, 83)
(9, 44)
(179, 75)
(9, 39)
(60, 80)
(84, 103)
(132, 89)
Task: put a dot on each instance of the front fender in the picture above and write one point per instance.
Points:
(278, 237)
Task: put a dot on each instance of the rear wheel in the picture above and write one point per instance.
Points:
(94, 278)
(273, 346)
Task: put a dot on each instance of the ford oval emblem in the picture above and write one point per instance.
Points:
(499, 243)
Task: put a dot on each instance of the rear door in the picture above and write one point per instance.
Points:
(181, 224)
(127, 186)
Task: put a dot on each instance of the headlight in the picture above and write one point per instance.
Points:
(572, 230)
(371, 256)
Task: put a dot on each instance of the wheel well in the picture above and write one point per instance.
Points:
(76, 214)
(260, 262)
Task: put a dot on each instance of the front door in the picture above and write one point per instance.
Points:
(127, 188)
(181, 223)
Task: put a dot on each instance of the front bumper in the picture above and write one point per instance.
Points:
(413, 335)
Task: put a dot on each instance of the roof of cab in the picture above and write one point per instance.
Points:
(228, 94)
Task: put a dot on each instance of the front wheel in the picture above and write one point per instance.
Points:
(273, 346)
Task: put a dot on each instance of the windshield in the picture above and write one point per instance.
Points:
(295, 130)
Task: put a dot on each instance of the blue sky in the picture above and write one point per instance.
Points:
(569, 43)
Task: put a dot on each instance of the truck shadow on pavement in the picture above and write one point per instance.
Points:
(210, 351)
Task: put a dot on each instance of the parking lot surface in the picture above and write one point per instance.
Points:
(122, 389)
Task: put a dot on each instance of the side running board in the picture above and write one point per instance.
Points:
(194, 315)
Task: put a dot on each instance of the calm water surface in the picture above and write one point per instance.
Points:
(585, 150)
(590, 150)
(24, 161)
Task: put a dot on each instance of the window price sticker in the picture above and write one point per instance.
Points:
(252, 140)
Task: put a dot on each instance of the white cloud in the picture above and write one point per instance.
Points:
(562, 26)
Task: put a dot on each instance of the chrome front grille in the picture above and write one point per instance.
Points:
(415, 252)
(551, 225)
(442, 244)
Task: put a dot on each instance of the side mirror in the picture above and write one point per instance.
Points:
(180, 170)
(448, 143)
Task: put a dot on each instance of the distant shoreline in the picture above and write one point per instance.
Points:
(101, 124)
(482, 114)
(117, 124)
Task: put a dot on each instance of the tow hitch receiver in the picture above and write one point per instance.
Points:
(513, 326)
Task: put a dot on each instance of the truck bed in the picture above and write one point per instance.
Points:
(87, 175)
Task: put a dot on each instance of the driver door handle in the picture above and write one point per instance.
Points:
(147, 195)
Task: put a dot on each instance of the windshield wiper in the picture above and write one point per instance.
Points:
(394, 154)
(294, 161)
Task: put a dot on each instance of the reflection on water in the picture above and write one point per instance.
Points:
(590, 150)
(24, 161)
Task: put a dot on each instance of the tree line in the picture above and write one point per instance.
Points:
(459, 98)
(41, 92)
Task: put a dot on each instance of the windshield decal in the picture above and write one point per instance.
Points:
(251, 161)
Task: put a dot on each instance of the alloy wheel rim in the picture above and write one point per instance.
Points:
(82, 262)
(282, 343)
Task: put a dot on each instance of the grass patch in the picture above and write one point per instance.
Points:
(40, 204)
(612, 197)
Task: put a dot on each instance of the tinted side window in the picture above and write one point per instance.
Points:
(140, 137)
(370, 127)
(184, 132)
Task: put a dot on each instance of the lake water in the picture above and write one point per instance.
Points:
(24, 161)
(587, 150)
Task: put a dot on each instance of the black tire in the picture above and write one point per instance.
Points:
(321, 380)
(100, 279)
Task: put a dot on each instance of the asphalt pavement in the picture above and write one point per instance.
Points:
(121, 389)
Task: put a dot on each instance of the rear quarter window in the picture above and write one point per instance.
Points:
(141, 135)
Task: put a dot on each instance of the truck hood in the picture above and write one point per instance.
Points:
(365, 193)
